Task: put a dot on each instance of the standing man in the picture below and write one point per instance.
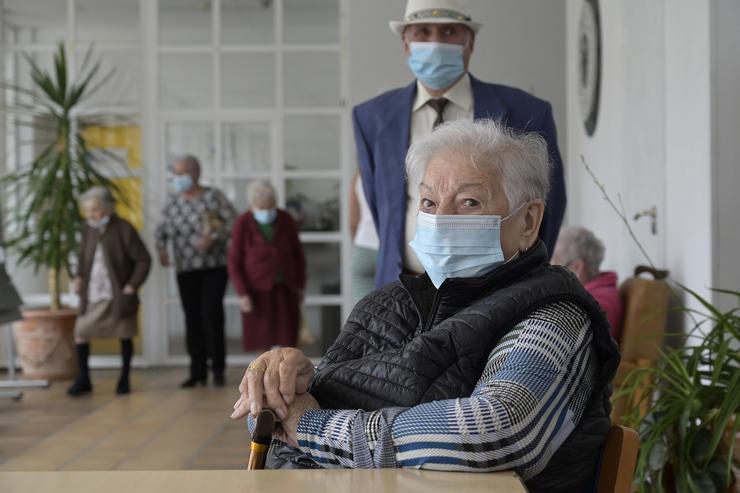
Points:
(438, 37)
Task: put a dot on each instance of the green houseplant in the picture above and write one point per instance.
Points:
(688, 419)
(43, 219)
(694, 406)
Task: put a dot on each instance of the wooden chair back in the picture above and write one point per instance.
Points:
(618, 460)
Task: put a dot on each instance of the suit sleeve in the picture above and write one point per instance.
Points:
(366, 164)
(236, 259)
(556, 199)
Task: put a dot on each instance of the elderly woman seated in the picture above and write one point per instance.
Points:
(491, 360)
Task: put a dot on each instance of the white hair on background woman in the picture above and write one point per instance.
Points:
(521, 159)
(580, 243)
(260, 191)
(101, 194)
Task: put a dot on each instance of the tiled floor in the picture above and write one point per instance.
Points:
(157, 426)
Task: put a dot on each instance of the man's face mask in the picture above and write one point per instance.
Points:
(437, 65)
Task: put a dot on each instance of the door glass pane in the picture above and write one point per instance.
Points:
(248, 80)
(18, 71)
(323, 268)
(109, 21)
(312, 142)
(314, 203)
(34, 21)
(247, 22)
(194, 138)
(175, 330)
(185, 22)
(123, 87)
(27, 134)
(311, 79)
(185, 80)
(236, 191)
(323, 323)
(246, 147)
(233, 329)
(311, 21)
(172, 291)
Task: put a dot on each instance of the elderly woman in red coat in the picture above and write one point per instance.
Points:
(268, 270)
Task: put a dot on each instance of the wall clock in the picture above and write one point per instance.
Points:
(589, 64)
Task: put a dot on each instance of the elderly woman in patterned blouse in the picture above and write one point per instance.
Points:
(197, 223)
(491, 360)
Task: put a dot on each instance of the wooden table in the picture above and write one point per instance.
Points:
(299, 481)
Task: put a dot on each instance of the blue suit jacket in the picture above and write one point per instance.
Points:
(382, 130)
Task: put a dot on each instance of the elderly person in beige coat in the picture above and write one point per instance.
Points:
(113, 264)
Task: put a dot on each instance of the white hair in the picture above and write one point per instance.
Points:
(260, 190)
(579, 243)
(101, 194)
(521, 159)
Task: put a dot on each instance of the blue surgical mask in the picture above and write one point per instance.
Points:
(459, 245)
(437, 65)
(264, 216)
(98, 224)
(182, 183)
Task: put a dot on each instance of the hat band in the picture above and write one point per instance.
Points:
(453, 15)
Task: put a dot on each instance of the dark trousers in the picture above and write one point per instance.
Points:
(202, 295)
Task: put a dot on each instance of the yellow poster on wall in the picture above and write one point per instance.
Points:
(123, 141)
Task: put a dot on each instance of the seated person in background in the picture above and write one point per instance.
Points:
(491, 360)
(581, 252)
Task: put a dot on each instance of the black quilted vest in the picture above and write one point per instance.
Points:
(407, 343)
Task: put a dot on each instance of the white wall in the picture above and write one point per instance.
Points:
(521, 43)
(689, 144)
(667, 135)
(628, 145)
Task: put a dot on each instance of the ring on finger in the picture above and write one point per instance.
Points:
(255, 367)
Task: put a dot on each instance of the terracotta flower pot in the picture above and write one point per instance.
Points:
(45, 343)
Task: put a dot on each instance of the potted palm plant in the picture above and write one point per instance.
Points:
(43, 218)
(688, 420)
(689, 429)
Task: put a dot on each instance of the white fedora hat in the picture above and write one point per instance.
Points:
(435, 11)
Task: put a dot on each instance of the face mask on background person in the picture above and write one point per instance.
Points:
(182, 183)
(437, 65)
(98, 224)
(458, 245)
(264, 216)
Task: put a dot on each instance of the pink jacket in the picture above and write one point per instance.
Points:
(604, 289)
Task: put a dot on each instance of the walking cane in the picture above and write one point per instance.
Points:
(261, 439)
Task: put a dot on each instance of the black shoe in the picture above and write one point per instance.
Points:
(218, 379)
(123, 386)
(193, 381)
(80, 387)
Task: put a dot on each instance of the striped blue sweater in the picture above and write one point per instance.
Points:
(529, 398)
